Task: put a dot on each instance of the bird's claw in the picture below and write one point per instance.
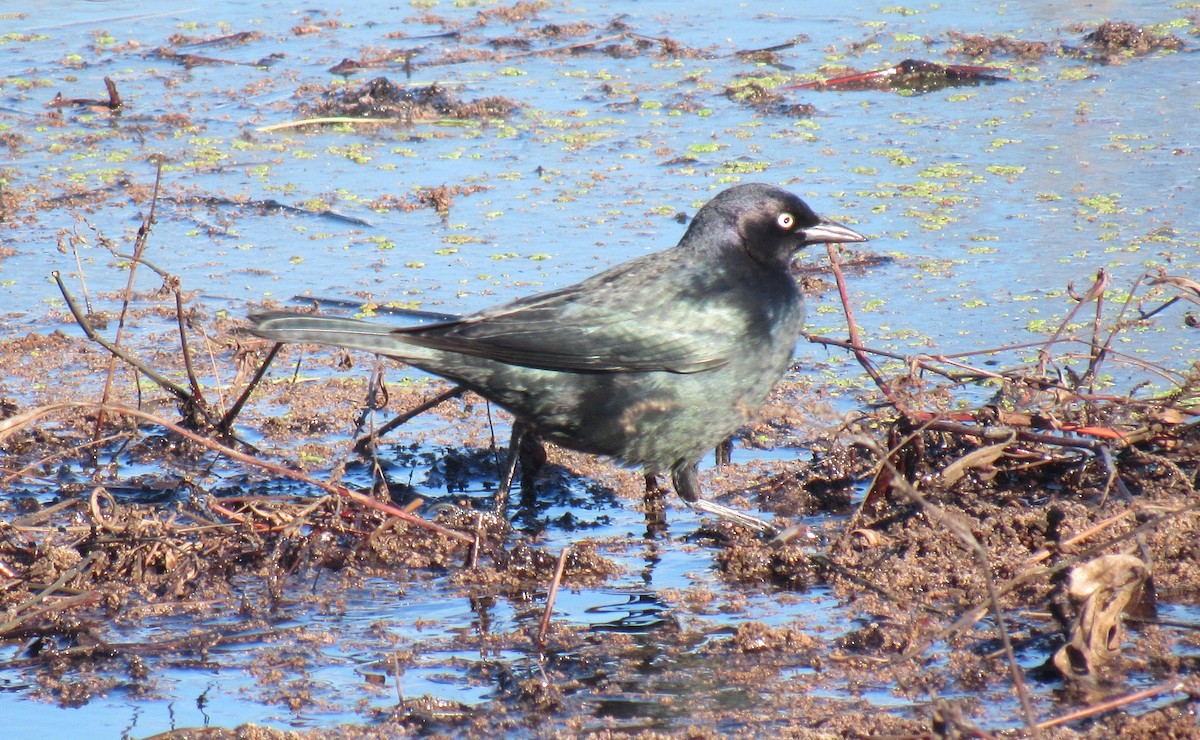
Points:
(775, 536)
(732, 515)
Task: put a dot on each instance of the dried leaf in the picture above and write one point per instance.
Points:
(980, 458)
(1100, 589)
(1185, 285)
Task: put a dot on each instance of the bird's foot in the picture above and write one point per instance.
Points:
(777, 537)
(733, 515)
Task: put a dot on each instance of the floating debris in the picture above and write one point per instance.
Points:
(1116, 39)
(914, 75)
(382, 98)
(195, 60)
(112, 104)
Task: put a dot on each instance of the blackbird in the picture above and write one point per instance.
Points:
(652, 362)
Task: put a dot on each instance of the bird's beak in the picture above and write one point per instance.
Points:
(831, 232)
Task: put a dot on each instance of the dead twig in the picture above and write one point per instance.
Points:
(856, 346)
(14, 475)
(1190, 687)
(113, 103)
(31, 609)
(139, 246)
(321, 121)
(227, 420)
(191, 643)
(564, 47)
(7, 426)
(182, 394)
(544, 627)
(962, 531)
(361, 444)
(1036, 572)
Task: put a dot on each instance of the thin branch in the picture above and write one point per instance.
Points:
(166, 383)
(139, 246)
(1108, 705)
(227, 420)
(860, 353)
(544, 627)
(962, 531)
(325, 120)
(9, 425)
(362, 443)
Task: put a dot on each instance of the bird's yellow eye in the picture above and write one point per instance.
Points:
(786, 221)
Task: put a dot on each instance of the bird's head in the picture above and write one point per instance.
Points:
(770, 223)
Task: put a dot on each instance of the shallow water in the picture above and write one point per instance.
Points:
(991, 198)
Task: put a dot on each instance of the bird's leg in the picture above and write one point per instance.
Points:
(500, 499)
(653, 501)
(724, 451)
(524, 450)
(533, 457)
(687, 485)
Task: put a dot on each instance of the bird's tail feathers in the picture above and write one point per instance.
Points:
(334, 331)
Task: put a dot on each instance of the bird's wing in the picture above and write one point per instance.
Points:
(587, 328)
